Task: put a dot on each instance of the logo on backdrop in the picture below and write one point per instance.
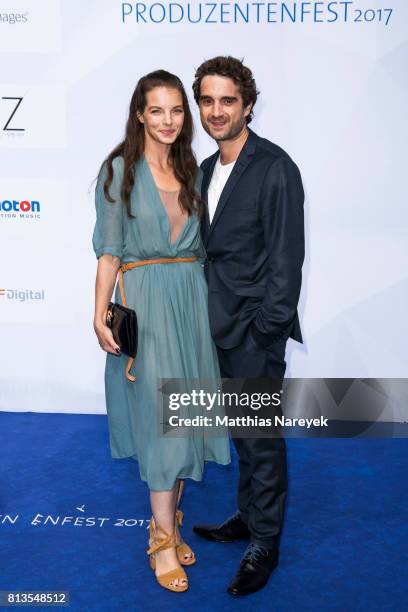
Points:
(22, 295)
(20, 209)
(284, 12)
(32, 116)
(30, 27)
(13, 18)
(72, 520)
(13, 103)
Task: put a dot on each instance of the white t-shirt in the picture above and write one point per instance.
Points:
(218, 180)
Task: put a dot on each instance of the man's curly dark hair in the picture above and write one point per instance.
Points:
(234, 69)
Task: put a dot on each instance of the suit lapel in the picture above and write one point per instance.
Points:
(204, 194)
(240, 165)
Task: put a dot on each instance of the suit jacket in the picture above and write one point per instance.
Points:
(255, 247)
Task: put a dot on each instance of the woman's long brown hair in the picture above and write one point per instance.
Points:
(132, 147)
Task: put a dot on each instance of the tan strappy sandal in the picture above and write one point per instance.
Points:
(157, 543)
(184, 552)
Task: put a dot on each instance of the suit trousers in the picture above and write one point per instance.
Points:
(263, 480)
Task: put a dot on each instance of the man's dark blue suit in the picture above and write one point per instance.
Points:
(255, 252)
(255, 247)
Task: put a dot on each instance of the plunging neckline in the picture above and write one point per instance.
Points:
(163, 208)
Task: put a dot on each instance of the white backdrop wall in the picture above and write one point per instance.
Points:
(333, 94)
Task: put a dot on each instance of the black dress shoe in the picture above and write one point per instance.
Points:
(254, 570)
(231, 530)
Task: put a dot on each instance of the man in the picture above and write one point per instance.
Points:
(253, 232)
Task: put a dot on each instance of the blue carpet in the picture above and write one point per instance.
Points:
(344, 545)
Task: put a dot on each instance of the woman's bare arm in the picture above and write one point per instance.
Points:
(108, 266)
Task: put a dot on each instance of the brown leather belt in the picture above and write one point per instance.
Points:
(137, 264)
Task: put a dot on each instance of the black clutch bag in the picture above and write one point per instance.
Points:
(123, 323)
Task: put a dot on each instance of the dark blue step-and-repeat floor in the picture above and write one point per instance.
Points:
(73, 519)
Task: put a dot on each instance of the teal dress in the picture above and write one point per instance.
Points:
(170, 301)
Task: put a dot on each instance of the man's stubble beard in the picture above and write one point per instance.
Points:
(235, 130)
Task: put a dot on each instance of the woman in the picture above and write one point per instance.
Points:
(148, 209)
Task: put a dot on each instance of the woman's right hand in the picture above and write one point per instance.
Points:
(108, 266)
(105, 339)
